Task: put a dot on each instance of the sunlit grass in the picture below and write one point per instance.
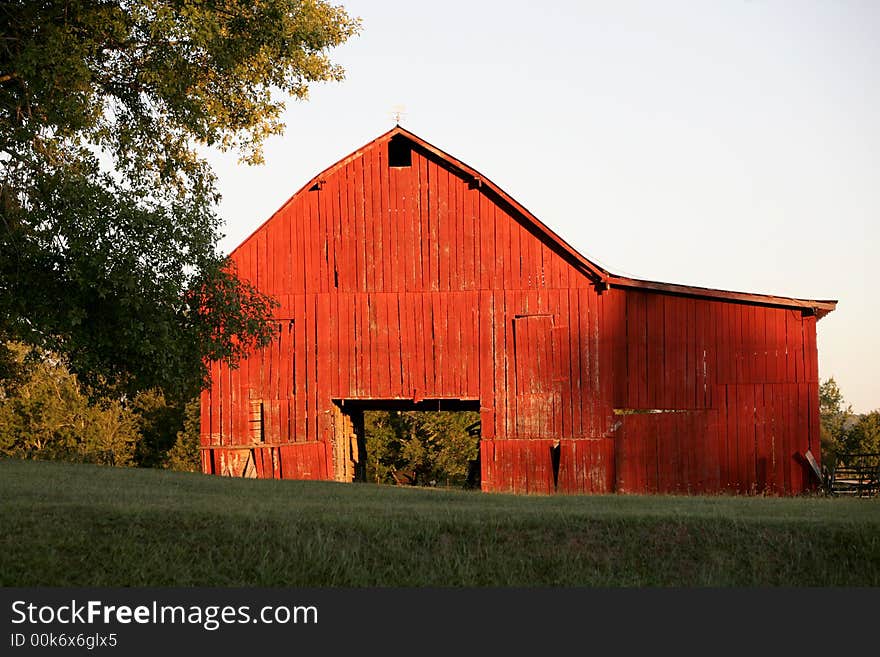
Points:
(80, 525)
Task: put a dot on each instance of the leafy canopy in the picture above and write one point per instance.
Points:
(109, 231)
(864, 437)
(435, 446)
(842, 431)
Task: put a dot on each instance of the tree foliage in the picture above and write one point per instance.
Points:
(184, 455)
(108, 228)
(47, 416)
(842, 431)
(834, 417)
(864, 436)
(158, 422)
(437, 446)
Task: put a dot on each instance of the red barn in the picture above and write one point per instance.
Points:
(408, 280)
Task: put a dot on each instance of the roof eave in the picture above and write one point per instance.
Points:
(818, 307)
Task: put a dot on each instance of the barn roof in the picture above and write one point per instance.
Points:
(598, 274)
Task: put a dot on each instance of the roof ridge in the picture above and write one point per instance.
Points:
(599, 275)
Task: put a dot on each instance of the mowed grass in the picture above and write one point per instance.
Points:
(80, 525)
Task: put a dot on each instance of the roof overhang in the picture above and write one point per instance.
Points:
(819, 308)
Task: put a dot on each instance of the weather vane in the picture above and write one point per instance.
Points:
(398, 111)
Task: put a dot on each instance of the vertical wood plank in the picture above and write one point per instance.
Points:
(801, 441)
(656, 322)
(444, 235)
(811, 362)
(800, 348)
(790, 349)
(813, 421)
(498, 363)
(762, 456)
(422, 212)
(574, 356)
(430, 357)
(486, 362)
(405, 343)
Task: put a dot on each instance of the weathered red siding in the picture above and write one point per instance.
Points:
(427, 283)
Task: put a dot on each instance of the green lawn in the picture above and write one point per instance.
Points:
(80, 525)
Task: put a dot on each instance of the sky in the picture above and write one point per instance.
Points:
(730, 144)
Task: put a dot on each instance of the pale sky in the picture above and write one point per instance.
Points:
(730, 144)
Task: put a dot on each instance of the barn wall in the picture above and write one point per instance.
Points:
(417, 283)
(431, 301)
(741, 382)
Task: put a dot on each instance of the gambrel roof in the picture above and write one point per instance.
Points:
(600, 276)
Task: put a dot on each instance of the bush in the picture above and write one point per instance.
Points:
(184, 455)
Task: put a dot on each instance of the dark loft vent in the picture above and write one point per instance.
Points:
(399, 152)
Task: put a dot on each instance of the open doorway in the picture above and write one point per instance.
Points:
(433, 443)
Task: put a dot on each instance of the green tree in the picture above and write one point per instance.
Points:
(436, 446)
(834, 418)
(47, 416)
(383, 431)
(864, 436)
(108, 224)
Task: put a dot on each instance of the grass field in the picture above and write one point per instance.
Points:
(80, 525)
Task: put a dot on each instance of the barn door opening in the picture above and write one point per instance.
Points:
(432, 442)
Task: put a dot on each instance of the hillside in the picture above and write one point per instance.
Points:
(80, 525)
